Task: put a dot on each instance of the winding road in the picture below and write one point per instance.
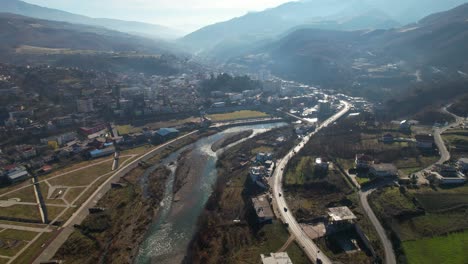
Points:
(363, 194)
(312, 251)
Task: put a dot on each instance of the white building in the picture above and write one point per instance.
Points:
(276, 258)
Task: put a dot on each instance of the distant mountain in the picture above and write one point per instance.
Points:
(223, 39)
(31, 41)
(136, 28)
(20, 31)
(370, 62)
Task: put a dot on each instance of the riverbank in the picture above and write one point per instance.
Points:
(220, 239)
(129, 211)
(229, 139)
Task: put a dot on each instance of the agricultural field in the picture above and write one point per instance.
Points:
(244, 114)
(433, 231)
(450, 249)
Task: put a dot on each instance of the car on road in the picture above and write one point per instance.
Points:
(279, 194)
(285, 209)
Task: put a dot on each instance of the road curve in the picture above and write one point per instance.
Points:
(387, 244)
(309, 247)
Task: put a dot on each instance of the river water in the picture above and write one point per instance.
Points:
(168, 237)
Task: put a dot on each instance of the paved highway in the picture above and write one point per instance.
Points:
(387, 244)
(312, 251)
(444, 153)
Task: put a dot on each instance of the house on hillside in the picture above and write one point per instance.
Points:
(363, 161)
(424, 141)
(383, 170)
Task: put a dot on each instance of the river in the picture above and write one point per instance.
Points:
(169, 235)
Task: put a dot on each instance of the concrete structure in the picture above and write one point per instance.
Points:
(263, 157)
(341, 214)
(276, 258)
(383, 170)
(262, 209)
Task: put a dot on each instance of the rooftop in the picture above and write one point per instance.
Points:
(262, 207)
(276, 258)
(384, 167)
(341, 214)
(166, 131)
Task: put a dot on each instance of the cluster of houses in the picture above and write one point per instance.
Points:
(89, 142)
(262, 170)
(449, 173)
(366, 162)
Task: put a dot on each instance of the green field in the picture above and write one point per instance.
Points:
(302, 172)
(244, 114)
(390, 201)
(451, 249)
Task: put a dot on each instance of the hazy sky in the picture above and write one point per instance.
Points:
(185, 15)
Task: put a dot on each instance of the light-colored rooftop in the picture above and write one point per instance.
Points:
(276, 258)
(341, 214)
(262, 207)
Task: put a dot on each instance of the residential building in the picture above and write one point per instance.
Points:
(388, 138)
(276, 258)
(16, 173)
(383, 170)
(425, 141)
(262, 209)
(363, 161)
(263, 157)
(97, 153)
(85, 105)
(405, 125)
(463, 164)
(321, 164)
(91, 130)
(340, 215)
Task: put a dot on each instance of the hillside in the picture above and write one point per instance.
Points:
(33, 41)
(132, 27)
(223, 39)
(433, 48)
(20, 30)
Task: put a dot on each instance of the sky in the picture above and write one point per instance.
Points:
(184, 15)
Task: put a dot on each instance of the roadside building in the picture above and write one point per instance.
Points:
(363, 161)
(16, 173)
(321, 164)
(383, 170)
(341, 215)
(263, 157)
(97, 153)
(276, 258)
(262, 209)
(425, 141)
